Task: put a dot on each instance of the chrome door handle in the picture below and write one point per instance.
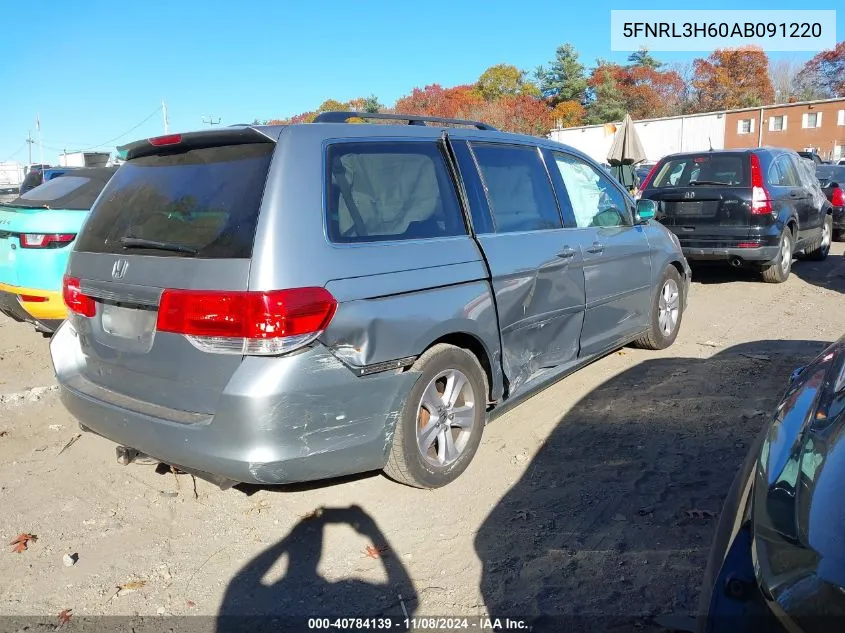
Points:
(596, 248)
(566, 253)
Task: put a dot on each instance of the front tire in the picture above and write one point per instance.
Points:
(666, 312)
(441, 423)
(819, 254)
(778, 271)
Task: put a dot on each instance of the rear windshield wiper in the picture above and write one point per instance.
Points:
(695, 183)
(24, 206)
(139, 242)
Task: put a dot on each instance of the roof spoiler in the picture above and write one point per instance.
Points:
(412, 119)
(192, 140)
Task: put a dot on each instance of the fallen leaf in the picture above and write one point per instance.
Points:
(22, 542)
(3, 433)
(700, 514)
(711, 344)
(191, 603)
(375, 552)
(130, 587)
(65, 616)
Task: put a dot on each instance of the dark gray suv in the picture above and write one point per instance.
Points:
(278, 304)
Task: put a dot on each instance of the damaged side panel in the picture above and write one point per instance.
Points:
(401, 326)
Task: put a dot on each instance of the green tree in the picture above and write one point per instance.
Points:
(503, 79)
(643, 58)
(564, 79)
(607, 103)
(372, 105)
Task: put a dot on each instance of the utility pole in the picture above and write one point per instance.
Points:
(29, 142)
(164, 116)
(211, 121)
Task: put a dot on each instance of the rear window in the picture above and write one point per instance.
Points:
(384, 191)
(55, 189)
(202, 202)
(716, 170)
(830, 173)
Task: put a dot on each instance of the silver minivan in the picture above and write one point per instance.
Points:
(275, 304)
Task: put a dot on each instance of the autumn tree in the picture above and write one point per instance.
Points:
(564, 79)
(434, 100)
(733, 78)
(568, 114)
(504, 79)
(522, 114)
(332, 105)
(824, 74)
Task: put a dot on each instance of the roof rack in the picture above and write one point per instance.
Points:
(412, 119)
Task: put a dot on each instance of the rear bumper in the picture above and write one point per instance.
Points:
(760, 254)
(280, 420)
(12, 307)
(50, 307)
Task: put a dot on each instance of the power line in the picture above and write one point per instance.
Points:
(111, 140)
(16, 152)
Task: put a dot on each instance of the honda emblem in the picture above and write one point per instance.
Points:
(118, 271)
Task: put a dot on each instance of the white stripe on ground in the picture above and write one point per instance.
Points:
(33, 394)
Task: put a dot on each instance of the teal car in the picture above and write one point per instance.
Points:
(37, 231)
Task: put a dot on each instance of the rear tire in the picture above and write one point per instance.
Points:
(441, 423)
(819, 254)
(778, 272)
(666, 312)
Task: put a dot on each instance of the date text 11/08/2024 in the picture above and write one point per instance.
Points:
(418, 624)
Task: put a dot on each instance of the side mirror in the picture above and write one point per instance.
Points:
(646, 210)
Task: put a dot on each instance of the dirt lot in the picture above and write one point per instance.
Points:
(575, 504)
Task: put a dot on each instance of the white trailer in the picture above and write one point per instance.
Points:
(84, 159)
(11, 176)
(690, 133)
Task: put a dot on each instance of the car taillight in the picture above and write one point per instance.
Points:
(75, 300)
(649, 177)
(248, 323)
(837, 198)
(170, 139)
(761, 204)
(46, 240)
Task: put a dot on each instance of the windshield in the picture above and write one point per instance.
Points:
(830, 173)
(725, 170)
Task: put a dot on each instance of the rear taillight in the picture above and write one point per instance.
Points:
(75, 300)
(249, 323)
(46, 240)
(648, 177)
(761, 204)
(170, 139)
(837, 197)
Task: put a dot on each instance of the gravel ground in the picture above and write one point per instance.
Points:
(575, 504)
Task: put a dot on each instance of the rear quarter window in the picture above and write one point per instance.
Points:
(206, 200)
(55, 188)
(384, 191)
(717, 170)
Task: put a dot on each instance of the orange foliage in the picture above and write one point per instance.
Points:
(568, 114)
(733, 78)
